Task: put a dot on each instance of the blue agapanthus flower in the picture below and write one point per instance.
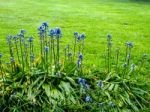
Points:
(111, 104)
(69, 54)
(76, 34)
(80, 56)
(51, 32)
(133, 67)
(9, 38)
(82, 36)
(88, 99)
(109, 37)
(78, 63)
(30, 39)
(81, 81)
(46, 48)
(12, 59)
(45, 24)
(32, 57)
(100, 83)
(129, 44)
(79, 37)
(22, 31)
(1, 55)
(58, 31)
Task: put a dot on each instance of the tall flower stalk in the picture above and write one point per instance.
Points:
(109, 45)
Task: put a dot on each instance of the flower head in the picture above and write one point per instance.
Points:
(79, 37)
(1, 55)
(125, 65)
(12, 59)
(46, 48)
(109, 37)
(45, 24)
(80, 56)
(133, 67)
(129, 44)
(111, 104)
(78, 63)
(58, 31)
(51, 32)
(100, 83)
(76, 34)
(30, 39)
(88, 99)
(82, 36)
(69, 54)
(22, 31)
(32, 57)
(9, 38)
(81, 81)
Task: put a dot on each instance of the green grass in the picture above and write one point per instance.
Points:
(126, 20)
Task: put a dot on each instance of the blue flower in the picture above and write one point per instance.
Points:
(46, 48)
(30, 39)
(1, 55)
(82, 36)
(76, 34)
(109, 37)
(32, 57)
(80, 56)
(22, 31)
(51, 32)
(133, 67)
(88, 99)
(12, 59)
(78, 63)
(14, 37)
(45, 24)
(100, 83)
(87, 86)
(9, 38)
(69, 54)
(129, 44)
(58, 31)
(111, 104)
(125, 65)
(79, 37)
(81, 81)
(144, 56)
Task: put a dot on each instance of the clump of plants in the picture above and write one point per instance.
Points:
(54, 79)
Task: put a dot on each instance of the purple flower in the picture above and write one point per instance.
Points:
(88, 99)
